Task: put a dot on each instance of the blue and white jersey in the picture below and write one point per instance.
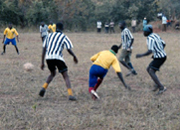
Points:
(55, 43)
(126, 38)
(156, 45)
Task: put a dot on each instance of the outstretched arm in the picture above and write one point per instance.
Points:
(132, 40)
(71, 53)
(3, 39)
(43, 56)
(144, 54)
(122, 80)
(17, 38)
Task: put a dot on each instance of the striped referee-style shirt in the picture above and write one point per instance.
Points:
(126, 38)
(156, 45)
(55, 43)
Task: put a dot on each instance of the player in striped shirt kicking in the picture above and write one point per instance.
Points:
(156, 46)
(52, 49)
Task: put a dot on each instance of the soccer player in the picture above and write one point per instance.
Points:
(101, 63)
(127, 41)
(156, 46)
(52, 48)
(10, 33)
(43, 31)
(52, 27)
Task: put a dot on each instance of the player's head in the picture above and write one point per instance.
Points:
(10, 25)
(122, 24)
(115, 48)
(42, 24)
(51, 22)
(148, 29)
(59, 27)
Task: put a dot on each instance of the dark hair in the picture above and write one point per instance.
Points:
(115, 48)
(59, 26)
(123, 23)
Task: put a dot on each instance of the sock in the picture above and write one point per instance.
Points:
(45, 85)
(97, 84)
(69, 91)
(91, 88)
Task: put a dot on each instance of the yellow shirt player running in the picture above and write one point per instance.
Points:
(9, 34)
(101, 63)
(52, 27)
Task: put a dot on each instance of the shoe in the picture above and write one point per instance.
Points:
(131, 72)
(95, 94)
(42, 92)
(134, 72)
(161, 91)
(2, 53)
(72, 98)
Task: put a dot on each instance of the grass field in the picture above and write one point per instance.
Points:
(118, 109)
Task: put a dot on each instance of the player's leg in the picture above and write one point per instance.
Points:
(96, 76)
(99, 81)
(64, 71)
(122, 57)
(14, 43)
(17, 49)
(51, 66)
(152, 68)
(7, 41)
(128, 61)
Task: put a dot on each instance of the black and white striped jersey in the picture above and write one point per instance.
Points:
(126, 38)
(156, 45)
(55, 43)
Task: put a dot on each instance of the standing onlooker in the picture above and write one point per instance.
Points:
(144, 22)
(52, 27)
(156, 46)
(111, 26)
(106, 27)
(127, 41)
(164, 23)
(9, 34)
(99, 25)
(43, 31)
(133, 24)
(52, 48)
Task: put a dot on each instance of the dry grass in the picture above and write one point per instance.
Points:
(21, 108)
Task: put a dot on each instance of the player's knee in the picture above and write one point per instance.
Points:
(148, 69)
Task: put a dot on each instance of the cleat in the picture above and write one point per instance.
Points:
(42, 92)
(95, 94)
(134, 72)
(72, 98)
(161, 91)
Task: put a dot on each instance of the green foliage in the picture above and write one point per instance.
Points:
(83, 14)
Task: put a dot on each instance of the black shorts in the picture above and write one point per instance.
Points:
(157, 63)
(52, 64)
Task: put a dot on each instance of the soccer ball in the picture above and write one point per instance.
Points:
(28, 66)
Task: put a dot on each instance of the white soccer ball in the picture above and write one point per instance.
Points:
(28, 66)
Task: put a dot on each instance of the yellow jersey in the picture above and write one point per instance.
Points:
(52, 27)
(105, 59)
(10, 33)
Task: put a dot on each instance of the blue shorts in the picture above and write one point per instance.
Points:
(13, 41)
(96, 72)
